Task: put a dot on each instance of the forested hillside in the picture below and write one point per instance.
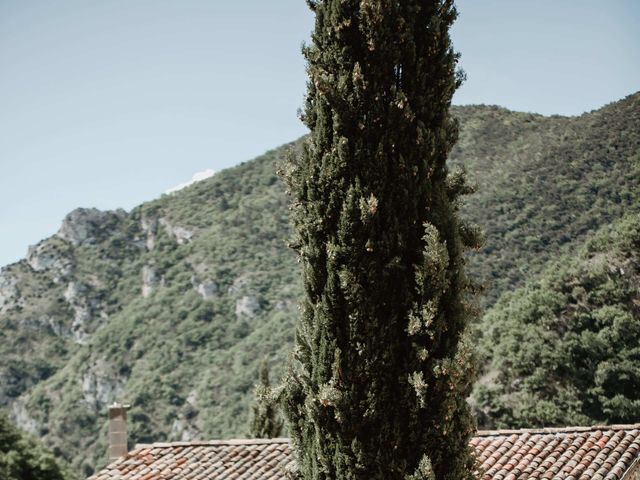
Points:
(544, 182)
(565, 348)
(171, 307)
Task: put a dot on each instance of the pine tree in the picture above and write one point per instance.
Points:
(265, 422)
(381, 372)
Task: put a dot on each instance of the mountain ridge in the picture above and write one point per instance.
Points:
(172, 305)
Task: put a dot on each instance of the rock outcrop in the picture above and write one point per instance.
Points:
(150, 228)
(247, 306)
(207, 289)
(22, 418)
(85, 308)
(181, 234)
(9, 293)
(150, 280)
(88, 225)
(47, 256)
(101, 386)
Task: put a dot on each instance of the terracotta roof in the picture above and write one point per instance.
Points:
(574, 453)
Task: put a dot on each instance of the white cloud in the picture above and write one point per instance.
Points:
(198, 176)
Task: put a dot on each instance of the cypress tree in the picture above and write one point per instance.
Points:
(381, 372)
(265, 422)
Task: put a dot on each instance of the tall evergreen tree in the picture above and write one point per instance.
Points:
(265, 422)
(382, 370)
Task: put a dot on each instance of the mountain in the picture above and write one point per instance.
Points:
(171, 307)
(544, 182)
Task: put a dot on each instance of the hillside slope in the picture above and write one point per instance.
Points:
(565, 348)
(544, 182)
(172, 306)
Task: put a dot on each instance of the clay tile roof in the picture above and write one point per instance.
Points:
(573, 453)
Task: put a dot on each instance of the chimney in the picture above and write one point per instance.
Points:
(117, 431)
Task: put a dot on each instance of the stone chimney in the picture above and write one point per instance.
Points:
(117, 431)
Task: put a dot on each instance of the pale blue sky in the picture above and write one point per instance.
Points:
(109, 103)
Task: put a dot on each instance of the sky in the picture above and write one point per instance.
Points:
(110, 103)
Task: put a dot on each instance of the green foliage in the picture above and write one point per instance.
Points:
(265, 422)
(565, 348)
(544, 183)
(23, 458)
(188, 364)
(378, 387)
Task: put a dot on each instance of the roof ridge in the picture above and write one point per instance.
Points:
(479, 433)
(576, 429)
(203, 443)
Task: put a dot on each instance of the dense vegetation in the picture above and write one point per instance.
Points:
(76, 331)
(24, 458)
(544, 183)
(378, 386)
(266, 421)
(186, 356)
(565, 348)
